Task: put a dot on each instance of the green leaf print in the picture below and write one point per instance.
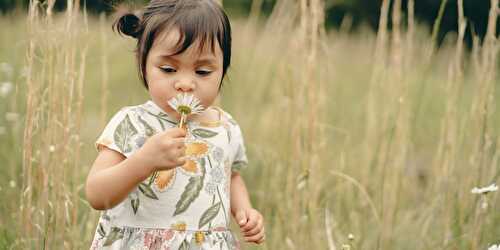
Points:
(147, 191)
(209, 214)
(228, 131)
(238, 165)
(162, 117)
(191, 191)
(135, 204)
(184, 245)
(152, 178)
(114, 234)
(123, 133)
(105, 216)
(204, 133)
(101, 231)
(166, 118)
(149, 130)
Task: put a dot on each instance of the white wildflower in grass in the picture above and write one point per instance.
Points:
(345, 247)
(5, 88)
(6, 69)
(52, 148)
(12, 184)
(11, 117)
(350, 236)
(494, 247)
(185, 104)
(484, 190)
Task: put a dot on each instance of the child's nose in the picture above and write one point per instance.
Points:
(184, 85)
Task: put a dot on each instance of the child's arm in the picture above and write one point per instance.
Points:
(113, 176)
(250, 220)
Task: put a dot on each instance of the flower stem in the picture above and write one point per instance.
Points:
(183, 120)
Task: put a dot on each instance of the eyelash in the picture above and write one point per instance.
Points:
(199, 72)
(203, 72)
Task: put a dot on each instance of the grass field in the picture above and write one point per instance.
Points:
(380, 135)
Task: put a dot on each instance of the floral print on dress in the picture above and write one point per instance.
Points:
(187, 207)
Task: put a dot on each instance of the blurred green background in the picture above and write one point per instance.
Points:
(359, 11)
(404, 130)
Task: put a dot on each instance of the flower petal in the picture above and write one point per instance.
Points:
(164, 179)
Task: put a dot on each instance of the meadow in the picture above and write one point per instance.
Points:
(356, 139)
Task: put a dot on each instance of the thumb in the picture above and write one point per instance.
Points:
(241, 217)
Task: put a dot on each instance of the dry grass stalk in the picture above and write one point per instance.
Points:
(49, 202)
(105, 76)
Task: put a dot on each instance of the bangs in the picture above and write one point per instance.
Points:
(203, 25)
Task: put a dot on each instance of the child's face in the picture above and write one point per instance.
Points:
(191, 71)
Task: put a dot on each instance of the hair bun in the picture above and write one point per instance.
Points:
(128, 24)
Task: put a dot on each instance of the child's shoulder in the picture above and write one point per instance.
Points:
(134, 115)
(136, 110)
(226, 116)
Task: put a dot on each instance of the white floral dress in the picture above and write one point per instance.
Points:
(187, 207)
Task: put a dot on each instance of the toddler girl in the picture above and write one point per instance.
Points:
(161, 186)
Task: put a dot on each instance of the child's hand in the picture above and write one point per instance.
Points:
(251, 224)
(164, 150)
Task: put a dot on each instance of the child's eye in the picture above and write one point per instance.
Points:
(203, 72)
(167, 69)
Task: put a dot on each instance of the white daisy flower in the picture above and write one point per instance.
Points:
(494, 247)
(484, 190)
(185, 103)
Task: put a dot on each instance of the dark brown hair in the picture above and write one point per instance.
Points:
(202, 20)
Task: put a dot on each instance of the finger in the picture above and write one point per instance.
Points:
(176, 132)
(251, 223)
(261, 239)
(254, 230)
(180, 161)
(241, 217)
(177, 142)
(255, 238)
(178, 153)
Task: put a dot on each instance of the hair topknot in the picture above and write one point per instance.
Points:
(128, 24)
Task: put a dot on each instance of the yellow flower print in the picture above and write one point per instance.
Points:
(164, 179)
(179, 226)
(190, 166)
(194, 151)
(199, 237)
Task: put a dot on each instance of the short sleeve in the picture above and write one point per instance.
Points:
(240, 160)
(120, 134)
